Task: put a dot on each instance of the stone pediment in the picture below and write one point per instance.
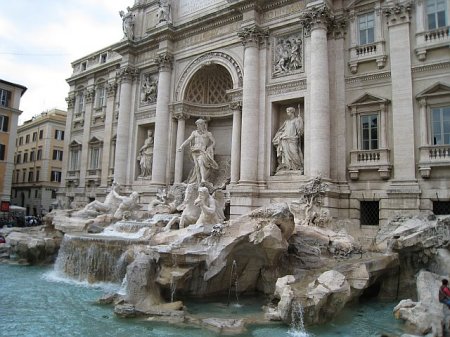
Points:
(368, 99)
(95, 140)
(438, 89)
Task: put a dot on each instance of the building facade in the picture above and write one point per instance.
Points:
(369, 82)
(38, 162)
(10, 95)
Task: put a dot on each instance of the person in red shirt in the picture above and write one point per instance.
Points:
(444, 293)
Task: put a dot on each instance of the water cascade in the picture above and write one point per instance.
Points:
(297, 324)
(233, 281)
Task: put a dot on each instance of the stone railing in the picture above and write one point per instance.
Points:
(367, 53)
(431, 39)
(370, 160)
(433, 156)
(73, 176)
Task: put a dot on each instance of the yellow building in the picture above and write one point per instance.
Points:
(38, 161)
(10, 95)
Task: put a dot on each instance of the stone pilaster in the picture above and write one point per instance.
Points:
(181, 128)
(236, 107)
(111, 89)
(70, 110)
(398, 19)
(252, 37)
(89, 95)
(161, 148)
(126, 75)
(315, 21)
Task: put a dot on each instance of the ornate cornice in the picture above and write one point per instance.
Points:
(237, 105)
(368, 77)
(431, 67)
(127, 73)
(398, 12)
(253, 36)
(316, 17)
(164, 61)
(285, 87)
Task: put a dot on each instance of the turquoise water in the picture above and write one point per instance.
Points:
(34, 303)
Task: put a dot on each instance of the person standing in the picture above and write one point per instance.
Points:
(444, 293)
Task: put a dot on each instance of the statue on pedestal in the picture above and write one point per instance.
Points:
(145, 156)
(128, 23)
(164, 12)
(202, 151)
(287, 142)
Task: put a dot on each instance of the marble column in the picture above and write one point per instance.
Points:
(251, 38)
(111, 89)
(315, 20)
(236, 142)
(68, 134)
(89, 95)
(398, 18)
(181, 128)
(126, 76)
(162, 120)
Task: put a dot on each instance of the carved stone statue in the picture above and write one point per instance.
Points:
(109, 206)
(190, 213)
(164, 12)
(128, 23)
(211, 207)
(288, 55)
(127, 206)
(287, 142)
(145, 156)
(202, 151)
(149, 90)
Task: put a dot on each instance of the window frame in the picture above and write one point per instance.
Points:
(361, 131)
(367, 29)
(2, 152)
(435, 13)
(441, 106)
(5, 98)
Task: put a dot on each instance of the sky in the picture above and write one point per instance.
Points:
(40, 38)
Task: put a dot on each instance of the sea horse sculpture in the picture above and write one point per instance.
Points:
(190, 213)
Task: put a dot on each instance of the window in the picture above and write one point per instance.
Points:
(95, 158)
(80, 103)
(32, 156)
(103, 57)
(25, 157)
(39, 154)
(36, 193)
(30, 176)
(369, 132)
(24, 175)
(34, 136)
(100, 97)
(41, 134)
(20, 140)
(366, 24)
(58, 155)
(59, 135)
(53, 194)
(441, 207)
(440, 125)
(436, 13)
(83, 66)
(17, 177)
(19, 158)
(74, 160)
(37, 174)
(27, 139)
(55, 176)
(5, 97)
(369, 213)
(4, 121)
(2, 151)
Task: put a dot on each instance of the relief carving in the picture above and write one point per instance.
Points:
(288, 54)
(149, 89)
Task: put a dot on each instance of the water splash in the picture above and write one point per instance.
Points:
(173, 288)
(297, 328)
(233, 282)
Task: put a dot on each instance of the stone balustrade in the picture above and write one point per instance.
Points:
(431, 39)
(433, 156)
(369, 160)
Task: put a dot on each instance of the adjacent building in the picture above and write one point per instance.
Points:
(10, 96)
(38, 162)
(369, 81)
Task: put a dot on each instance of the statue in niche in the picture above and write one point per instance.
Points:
(287, 142)
(288, 55)
(202, 150)
(149, 90)
(211, 206)
(128, 23)
(145, 156)
(164, 12)
(109, 206)
(127, 207)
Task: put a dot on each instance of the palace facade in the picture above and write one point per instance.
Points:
(369, 82)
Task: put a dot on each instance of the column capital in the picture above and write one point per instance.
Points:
(397, 12)
(236, 105)
(316, 17)
(253, 36)
(111, 88)
(338, 26)
(164, 61)
(423, 102)
(180, 116)
(89, 94)
(70, 101)
(127, 73)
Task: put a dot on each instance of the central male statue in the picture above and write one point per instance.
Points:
(202, 150)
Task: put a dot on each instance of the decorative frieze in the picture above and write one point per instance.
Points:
(187, 110)
(237, 105)
(368, 77)
(431, 67)
(253, 36)
(145, 114)
(285, 87)
(398, 12)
